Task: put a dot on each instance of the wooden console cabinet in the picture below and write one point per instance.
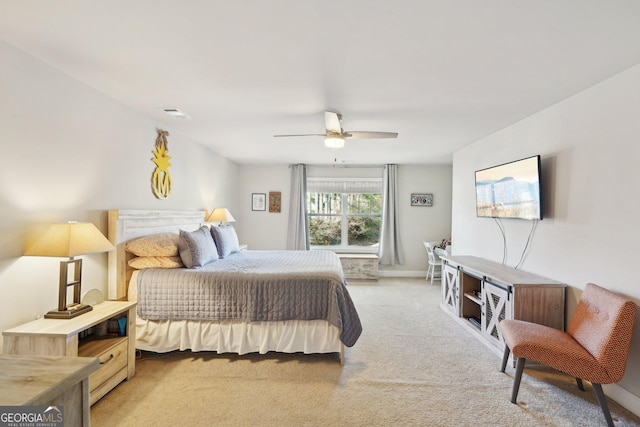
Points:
(94, 334)
(479, 293)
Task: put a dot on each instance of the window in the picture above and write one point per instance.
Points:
(344, 213)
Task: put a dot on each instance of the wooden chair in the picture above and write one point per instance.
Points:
(434, 263)
(594, 348)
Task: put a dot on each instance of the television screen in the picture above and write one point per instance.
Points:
(511, 190)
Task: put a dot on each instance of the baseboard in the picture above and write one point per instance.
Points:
(401, 273)
(623, 397)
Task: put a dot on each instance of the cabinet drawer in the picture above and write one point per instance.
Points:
(107, 386)
(112, 360)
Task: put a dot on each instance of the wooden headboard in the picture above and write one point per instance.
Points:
(125, 225)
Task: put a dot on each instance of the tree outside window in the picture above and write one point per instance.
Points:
(344, 219)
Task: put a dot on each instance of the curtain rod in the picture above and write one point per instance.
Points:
(346, 166)
(341, 166)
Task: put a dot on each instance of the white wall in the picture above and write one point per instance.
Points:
(590, 150)
(70, 153)
(264, 230)
(421, 223)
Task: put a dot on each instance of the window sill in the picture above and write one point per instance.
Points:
(347, 250)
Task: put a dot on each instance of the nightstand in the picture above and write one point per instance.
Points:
(107, 332)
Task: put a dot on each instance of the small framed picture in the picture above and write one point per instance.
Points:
(275, 199)
(259, 202)
(421, 199)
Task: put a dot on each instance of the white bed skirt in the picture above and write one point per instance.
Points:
(292, 336)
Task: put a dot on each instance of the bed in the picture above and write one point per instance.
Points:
(244, 302)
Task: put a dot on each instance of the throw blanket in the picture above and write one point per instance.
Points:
(253, 286)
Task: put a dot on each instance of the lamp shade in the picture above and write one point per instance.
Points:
(69, 240)
(220, 215)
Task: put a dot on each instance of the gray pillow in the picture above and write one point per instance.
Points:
(226, 239)
(197, 248)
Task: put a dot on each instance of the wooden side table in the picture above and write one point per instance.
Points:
(48, 381)
(89, 335)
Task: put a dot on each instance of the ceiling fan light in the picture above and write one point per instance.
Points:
(334, 142)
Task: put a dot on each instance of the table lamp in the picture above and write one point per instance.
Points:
(69, 240)
(220, 215)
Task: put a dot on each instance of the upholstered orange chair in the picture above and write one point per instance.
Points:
(594, 348)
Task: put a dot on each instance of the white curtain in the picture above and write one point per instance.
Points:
(390, 252)
(298, 231)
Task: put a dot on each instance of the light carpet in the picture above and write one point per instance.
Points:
(412, 366)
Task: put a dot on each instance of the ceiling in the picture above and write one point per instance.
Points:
(441, 73)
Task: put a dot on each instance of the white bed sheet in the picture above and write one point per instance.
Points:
(291, 336)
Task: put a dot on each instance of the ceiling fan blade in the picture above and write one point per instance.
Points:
(304, 134)
(366, 134)
(332, 122)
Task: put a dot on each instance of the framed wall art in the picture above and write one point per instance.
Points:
(421, 199)
(275, 199)
(258, 202)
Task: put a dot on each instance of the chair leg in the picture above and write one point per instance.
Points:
(505, 357)
(517, 378)
(580, 385)
(602, 400)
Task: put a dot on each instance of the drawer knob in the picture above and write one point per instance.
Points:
(110, 357)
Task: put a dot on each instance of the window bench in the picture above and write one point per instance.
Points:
(359, 266)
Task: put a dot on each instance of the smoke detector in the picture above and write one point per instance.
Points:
(175, 113)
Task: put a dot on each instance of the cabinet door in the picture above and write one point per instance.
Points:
(496, 305)
(451, 289)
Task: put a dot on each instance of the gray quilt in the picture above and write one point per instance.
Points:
(253, 286)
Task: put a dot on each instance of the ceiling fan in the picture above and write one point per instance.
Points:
(335, 136)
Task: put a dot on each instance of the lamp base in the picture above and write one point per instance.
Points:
(69, 313)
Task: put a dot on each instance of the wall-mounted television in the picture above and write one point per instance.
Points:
(510, 190)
